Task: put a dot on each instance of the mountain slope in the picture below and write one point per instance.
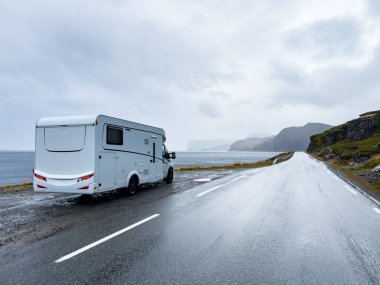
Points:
(292, 138)
(248, 144)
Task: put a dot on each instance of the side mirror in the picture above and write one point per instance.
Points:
(173, 155)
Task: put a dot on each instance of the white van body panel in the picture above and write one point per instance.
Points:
(90, 154)
(68, 162)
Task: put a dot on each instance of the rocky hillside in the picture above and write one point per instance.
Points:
(289, 139)
(353, 149)
(357, 139)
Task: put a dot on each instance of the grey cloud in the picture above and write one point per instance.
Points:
(120, 56)
(329, 87)
(51, 55)
(219, 94)
(210, 110)
(288, 72)
(191, 63)
(327, 38)
(374, 6)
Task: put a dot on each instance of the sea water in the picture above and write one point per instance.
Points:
(17, 167)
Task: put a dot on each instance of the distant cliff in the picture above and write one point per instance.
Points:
(289, 139)
(248, 144)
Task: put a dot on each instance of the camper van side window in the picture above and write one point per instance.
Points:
(114, 136)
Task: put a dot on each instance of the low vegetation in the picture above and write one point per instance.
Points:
(19, 187)
(353, 149)
(274, 160)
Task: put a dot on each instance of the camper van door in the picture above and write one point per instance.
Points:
(107, 170)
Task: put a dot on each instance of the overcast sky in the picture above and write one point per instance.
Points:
(198, 69)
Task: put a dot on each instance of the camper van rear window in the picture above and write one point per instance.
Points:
(114, 136)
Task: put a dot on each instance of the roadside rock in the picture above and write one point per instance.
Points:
(376, 169)
(370, 176)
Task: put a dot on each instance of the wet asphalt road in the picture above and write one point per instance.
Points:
(291, 223)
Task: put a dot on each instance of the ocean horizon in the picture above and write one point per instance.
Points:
(16, 167)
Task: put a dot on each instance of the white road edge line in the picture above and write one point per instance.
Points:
(219, 186)
(377, 210)
(351, 190)
(372, 199)
(237, 178)
(336, 178)
(87, 247)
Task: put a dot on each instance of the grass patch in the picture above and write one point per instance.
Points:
(370, 113)
(314, 155)
(9, 188)
(353, 149)
(371, 163)
(278, 158)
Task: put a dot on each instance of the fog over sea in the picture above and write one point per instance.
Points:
(17, 167)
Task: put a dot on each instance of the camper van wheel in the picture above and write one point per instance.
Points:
(86, 197)
(133, 185)
(169, 178)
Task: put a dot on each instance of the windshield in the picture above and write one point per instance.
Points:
(165, 153)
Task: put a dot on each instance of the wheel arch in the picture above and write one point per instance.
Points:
(134, 173)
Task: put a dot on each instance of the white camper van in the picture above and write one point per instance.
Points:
(91, 154)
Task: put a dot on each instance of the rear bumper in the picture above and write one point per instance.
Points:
(46, 187)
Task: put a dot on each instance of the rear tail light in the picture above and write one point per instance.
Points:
(40, 177)
(40, 186)
(83, 178)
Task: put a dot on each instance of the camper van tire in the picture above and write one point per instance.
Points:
(169, 177)
(85, 197)
(133, 185)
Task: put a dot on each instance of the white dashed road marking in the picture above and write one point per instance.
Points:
(210, 190)
(87, 247)
(219, 186)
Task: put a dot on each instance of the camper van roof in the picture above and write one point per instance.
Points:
(67, 120)
(88, 120)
